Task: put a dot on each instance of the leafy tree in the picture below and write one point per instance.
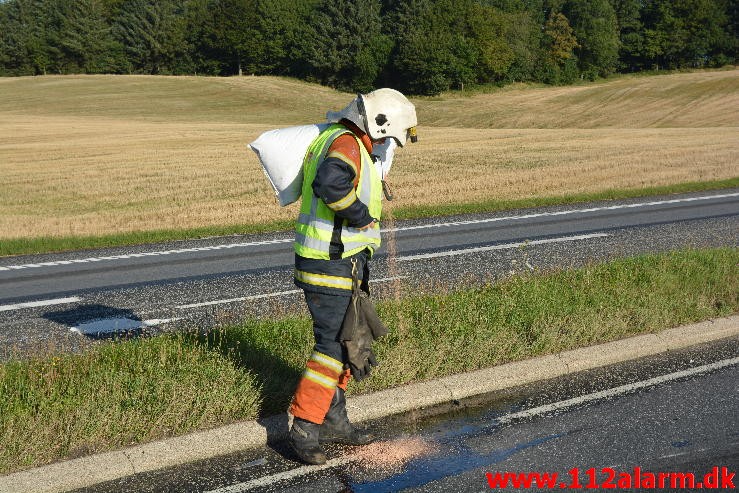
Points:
(524, 36)
(440, 44)
(488, 32)
(596, 29)
(706, 24)
(559, 39)
(631, 33)
(558, 64)
(688, 33)
(5, 48)
(204, 57)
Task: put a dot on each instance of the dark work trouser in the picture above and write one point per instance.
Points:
(325, 368)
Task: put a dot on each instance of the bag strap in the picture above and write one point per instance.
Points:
(355, 275)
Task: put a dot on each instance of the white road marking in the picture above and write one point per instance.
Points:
(407, 228)
(568, 212)
(283, 476)
(35, 304)
(266, 295)
(236, 300)
(536, 411)
(623, 389)
(148, 254)
(506, 246)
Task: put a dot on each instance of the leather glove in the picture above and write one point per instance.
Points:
(362, 361)
(360, 328)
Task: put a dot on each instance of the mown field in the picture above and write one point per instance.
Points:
(84, 156)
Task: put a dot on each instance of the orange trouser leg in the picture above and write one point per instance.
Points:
(316, 388)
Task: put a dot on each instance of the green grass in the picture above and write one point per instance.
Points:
(138, 390)
(69, 405)
(25, 246)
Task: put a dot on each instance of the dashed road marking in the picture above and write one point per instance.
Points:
(35, 304)
(506, 246)
(568, 212)
(266, 295)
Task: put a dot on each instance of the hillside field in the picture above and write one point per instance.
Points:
(97, 155)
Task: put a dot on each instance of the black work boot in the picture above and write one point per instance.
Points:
(336, 427)
(304, 441)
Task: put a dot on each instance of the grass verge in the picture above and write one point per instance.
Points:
(138, 390)
(26, 246)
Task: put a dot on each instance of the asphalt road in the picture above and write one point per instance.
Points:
(673, 413)
(49, 300)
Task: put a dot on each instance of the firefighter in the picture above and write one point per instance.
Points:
(337, 232)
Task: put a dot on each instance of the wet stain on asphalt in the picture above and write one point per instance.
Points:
(451, 462)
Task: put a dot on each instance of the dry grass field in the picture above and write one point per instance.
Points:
(95, 155)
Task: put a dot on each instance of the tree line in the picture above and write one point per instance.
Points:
(419, 46)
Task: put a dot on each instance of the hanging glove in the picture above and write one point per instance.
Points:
(366, 358)
(361, 326)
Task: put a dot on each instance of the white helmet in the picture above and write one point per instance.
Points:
(381, 113)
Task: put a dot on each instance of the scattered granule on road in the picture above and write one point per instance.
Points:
(392, 454)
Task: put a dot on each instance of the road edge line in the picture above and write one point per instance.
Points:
(87, 471)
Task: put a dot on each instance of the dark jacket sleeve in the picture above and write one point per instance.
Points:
(334, 184)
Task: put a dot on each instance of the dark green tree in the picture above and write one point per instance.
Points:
(596, 30)
(283, 27)
(345, 47)
(489, 36)
(438, 45)
(82, 38)
(631, 33)
(524, 35)
(232, 33)
(24, 38)
(153, 35)
(709, 40)
(206, 60)
(688, 33)
(5, 47)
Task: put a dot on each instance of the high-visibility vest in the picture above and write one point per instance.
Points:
(319, 233)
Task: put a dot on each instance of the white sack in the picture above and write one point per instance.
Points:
(281, 153)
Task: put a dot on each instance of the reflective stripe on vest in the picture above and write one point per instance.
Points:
(316, 231)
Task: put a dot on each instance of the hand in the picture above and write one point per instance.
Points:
(368, 226)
